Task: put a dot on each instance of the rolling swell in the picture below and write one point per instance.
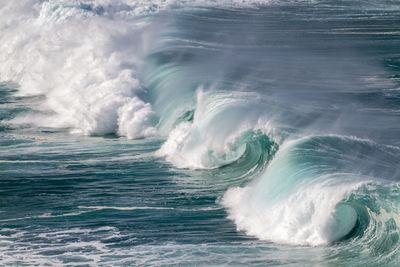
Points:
(311, 192)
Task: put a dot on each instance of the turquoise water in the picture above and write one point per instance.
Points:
(202, 133)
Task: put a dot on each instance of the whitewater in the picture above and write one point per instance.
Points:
(207, 133)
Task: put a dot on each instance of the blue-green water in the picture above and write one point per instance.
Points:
(199, 133)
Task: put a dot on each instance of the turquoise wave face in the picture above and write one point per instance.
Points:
(302, 197)
(224, 133)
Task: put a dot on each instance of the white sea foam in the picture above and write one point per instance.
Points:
(312, 215)
(294, 202)
(96, 247)
(85, 65)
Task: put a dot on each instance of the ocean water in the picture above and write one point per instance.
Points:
(199, 133)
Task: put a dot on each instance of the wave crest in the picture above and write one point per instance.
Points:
(218, 134)
(304, 197)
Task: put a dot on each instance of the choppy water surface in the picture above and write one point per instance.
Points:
(205, 133)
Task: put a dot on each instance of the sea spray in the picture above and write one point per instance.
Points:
(214, 138)
(86, 66)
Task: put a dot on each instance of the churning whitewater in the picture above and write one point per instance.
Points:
(199, 132)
